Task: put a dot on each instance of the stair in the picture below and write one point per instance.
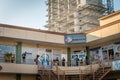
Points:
(72, 77)
(73, 74)
(50, 75)
(99, 74)
(44, 74)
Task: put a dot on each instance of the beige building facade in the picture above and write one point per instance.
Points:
(19, 40)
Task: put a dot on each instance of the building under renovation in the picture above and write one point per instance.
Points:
(90, 55)
(73, 16)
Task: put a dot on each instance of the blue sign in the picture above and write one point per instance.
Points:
(75, 38)
(45, 59)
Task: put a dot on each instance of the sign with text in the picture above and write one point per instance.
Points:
(75, 38)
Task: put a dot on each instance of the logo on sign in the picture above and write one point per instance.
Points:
(68, 39)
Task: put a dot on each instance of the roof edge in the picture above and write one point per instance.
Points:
(109, 15)
(30, 29)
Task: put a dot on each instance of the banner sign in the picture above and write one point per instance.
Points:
(75, 38)
(116, 65)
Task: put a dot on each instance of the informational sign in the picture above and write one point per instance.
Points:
(116, 65)
(96, 54)
(29, 54)
(76, 38)
(45, 59)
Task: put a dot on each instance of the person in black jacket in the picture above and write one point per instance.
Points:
(63, 61)
(77, 60)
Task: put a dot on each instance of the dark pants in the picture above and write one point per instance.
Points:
(76, 63)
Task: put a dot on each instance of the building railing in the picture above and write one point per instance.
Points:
(73, 65)
(27, 61)
(113, 63)
(18, 68)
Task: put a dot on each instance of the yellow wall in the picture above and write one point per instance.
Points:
(7, 76)
(31, 35)
(111, 30)
(104, 32)
(35, 45)
(76, 48)
(19, 68)
(110, 18)
(28, 77)
(7, 42)
(93, 36)
(13, 76)
(48, 46)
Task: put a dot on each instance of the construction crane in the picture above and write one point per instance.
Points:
(109, 5)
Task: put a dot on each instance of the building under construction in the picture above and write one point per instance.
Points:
(98, 51)
(73, 16)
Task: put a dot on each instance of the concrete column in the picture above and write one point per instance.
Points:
(69, 55)
(18, 76)
(76, 20)
(68, 6)
(51, 7)
(78, 2)
(88, 53)
(58, 8)
(68, 9)
(18, 52)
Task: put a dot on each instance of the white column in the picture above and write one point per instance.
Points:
(68, 6)
(78, 2)
(76, 20)
(51, 9)
(58, 8)
(68, 9)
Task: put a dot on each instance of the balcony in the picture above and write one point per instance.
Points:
(18, 68)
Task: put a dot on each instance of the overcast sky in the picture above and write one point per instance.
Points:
(29, 13)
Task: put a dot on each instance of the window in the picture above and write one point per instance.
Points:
(6, 50)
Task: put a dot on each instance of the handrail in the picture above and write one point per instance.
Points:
(82, 71)
(91, 67)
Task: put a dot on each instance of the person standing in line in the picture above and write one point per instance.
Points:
(36, 60)
(77, 60)
(86, 60)
(63, 61)
(81, 62)
(24, 57)
(57, 61)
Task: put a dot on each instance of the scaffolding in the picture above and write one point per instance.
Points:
(72, 16)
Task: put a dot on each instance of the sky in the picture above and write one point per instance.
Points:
(116, 5)
(28, 13)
